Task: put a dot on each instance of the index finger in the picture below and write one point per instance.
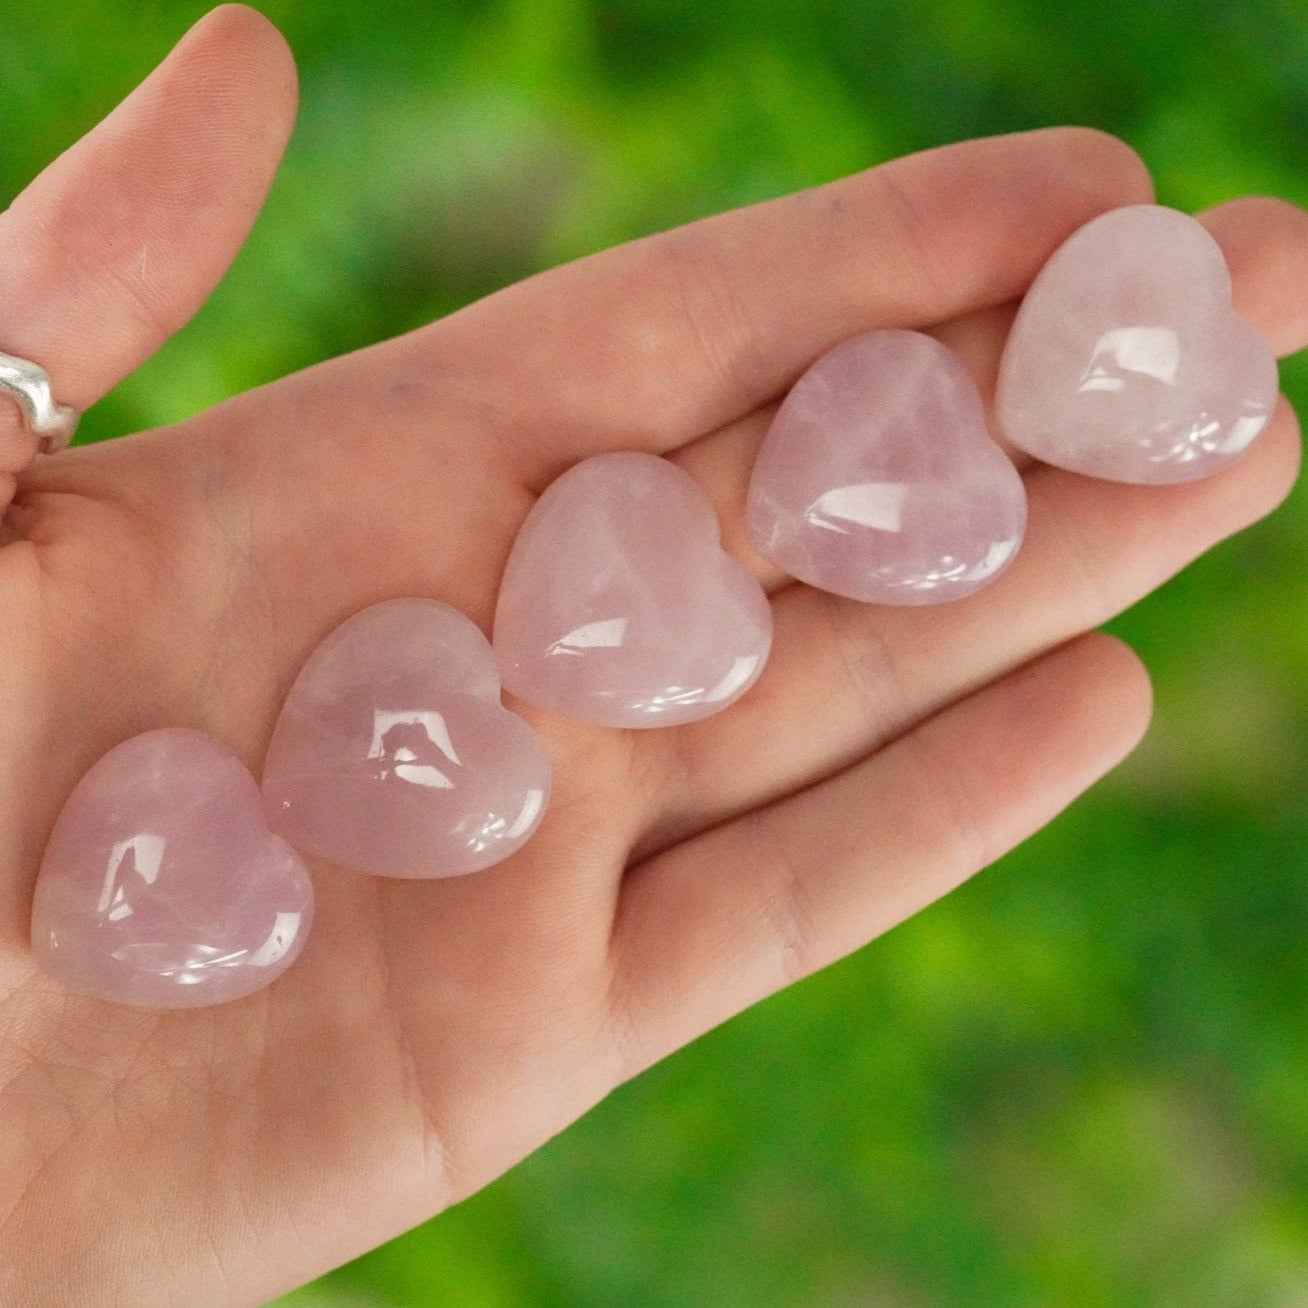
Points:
(656, 342)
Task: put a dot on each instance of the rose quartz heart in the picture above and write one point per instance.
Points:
(618, 604)
(161, 885)
(393, 754)
(1127, 361)
(877, 479)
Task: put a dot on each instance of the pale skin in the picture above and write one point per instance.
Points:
(433, 1034)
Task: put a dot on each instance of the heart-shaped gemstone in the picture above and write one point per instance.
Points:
(393, 754)
(161, 884)
(618, 604)
(1127, 360)
(878, 480)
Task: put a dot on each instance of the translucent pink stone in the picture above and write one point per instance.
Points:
(161, 885)
(878, 480)
(618, 604)
(1127, 361)
(393, 754)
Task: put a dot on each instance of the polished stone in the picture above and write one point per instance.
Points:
(161, 885)
(618, 604)
(1127, 361)
(878, 480)
(393, 754)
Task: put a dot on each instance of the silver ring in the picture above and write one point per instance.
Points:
(28, 385)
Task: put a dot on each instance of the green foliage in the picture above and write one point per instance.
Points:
(1079, 1080)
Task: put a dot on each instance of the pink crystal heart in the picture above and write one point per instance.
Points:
(619, 606)
(878, 480)
(161, 884)
(1127, 361)
(393, 754)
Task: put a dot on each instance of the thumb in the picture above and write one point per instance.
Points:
(122, 238)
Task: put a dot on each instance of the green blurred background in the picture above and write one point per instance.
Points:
(1081, 1078)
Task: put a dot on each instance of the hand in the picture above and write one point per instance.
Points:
(434, 1033)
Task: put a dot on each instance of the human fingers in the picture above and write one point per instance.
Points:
(844, 677)
(1265, 242)
(656, 342)
(718, 922)
(498, 374)
(121, 239)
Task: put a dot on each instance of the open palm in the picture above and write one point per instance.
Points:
(434, 1033)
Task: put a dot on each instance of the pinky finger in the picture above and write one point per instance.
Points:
(718, 922)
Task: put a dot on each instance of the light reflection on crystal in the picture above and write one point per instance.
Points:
(876, 504)
(426, 726)
(532, 805)
(142, 854)
(741, 673)
(1244, 432)
(609, 633)
(285, 929)
(1153, 352)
